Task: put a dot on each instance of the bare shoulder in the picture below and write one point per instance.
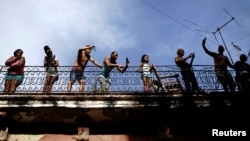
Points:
(106, 58)
(141, 64)
(177, 58)
(22, 58)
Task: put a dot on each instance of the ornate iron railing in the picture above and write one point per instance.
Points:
(127, 82)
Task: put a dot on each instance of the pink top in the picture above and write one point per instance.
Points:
(16, 70)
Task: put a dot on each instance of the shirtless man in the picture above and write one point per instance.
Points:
(77, 71)
(221, 62)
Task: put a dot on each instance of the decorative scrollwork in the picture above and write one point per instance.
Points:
(127, 82)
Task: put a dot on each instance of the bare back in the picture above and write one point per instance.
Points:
(84, 60)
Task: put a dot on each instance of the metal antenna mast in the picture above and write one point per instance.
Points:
(218, 30)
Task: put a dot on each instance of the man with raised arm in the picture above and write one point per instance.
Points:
(187, 73)
(221, 62)
(77, 71)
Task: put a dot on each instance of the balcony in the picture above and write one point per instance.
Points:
(125, 104)
(126, 88)
(128, 82)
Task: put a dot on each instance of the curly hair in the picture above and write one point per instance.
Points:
(15, 52)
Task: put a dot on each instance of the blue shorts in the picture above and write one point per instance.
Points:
(18, 78)
(146, 74)
(76, 75)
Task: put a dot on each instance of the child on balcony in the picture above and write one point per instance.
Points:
(51, 63)
(145, 68)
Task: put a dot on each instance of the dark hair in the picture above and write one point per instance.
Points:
(179, 50)
(79, 57)
(220, 47)
(113, 52)
(15, 52)
(46, 48)
(142, 58)
(243, 58)
(113, 61)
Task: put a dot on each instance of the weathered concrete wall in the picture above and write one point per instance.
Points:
(124, 113)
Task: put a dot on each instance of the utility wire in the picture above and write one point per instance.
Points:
(173, 19)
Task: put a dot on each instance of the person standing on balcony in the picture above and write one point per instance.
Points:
(15, 72)
(146, 73)
(109, 63)
(243, 74)
(51, 63)
(187, 73)
(77, 71)
(221, 63)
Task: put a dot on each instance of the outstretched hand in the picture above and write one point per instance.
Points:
(193, 55)
(204, 41)
(127, 61)
(153, 67)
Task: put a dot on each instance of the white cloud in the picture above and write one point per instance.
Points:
(63, 24)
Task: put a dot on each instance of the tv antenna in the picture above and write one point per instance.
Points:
(203, 28)
(236, 47)
(218, 30)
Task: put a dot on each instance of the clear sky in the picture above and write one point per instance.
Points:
(131, 27)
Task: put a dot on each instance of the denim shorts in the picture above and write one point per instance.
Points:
(76, 75)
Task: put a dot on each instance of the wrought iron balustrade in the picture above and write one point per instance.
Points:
(127, 82)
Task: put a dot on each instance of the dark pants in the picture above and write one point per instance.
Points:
(190, 81)
(227, 81)
(243, 83)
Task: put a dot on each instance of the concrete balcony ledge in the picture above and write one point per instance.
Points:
(117, 100)
(86, 100)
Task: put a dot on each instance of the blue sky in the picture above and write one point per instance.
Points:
(131, 27)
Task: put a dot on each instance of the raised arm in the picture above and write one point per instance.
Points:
(87, 46)
(192, 59)
(180, 59)
(46, 62)
(152, 67)
(122, 69)
(205, 48)
(11, 60)
(109, 64)
(18, 63)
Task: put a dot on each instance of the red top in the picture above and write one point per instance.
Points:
(16, 70)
